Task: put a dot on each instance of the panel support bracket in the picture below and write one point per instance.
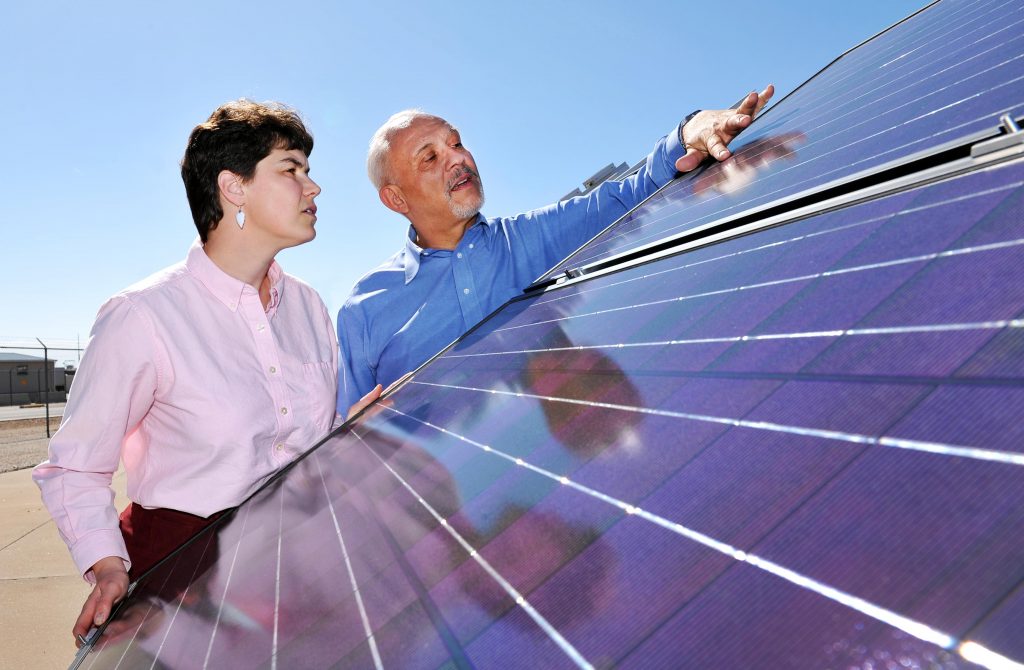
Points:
(1012, 136)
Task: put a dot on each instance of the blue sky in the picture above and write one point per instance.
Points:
(98, 99)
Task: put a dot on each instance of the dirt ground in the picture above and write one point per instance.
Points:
(23, 442)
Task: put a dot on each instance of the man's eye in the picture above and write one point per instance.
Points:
(431, 157)
(458, 145)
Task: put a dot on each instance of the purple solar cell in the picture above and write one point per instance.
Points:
(1000, 630)
(972, 416)
(745, 482)
(751, 619)
(955, 560)
(637, 563)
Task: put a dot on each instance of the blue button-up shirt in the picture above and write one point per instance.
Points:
(421, 300)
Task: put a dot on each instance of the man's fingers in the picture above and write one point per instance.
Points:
(749, 104)
(764, 97)
(690, 161)
(715, 146)
(737, 122)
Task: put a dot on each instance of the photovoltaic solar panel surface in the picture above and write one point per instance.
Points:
(796, 448)
(947, 73)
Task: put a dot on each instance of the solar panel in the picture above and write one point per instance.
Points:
(794, 443)
(795, 448)
(943, 76)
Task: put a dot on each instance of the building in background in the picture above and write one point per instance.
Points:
(28, 379)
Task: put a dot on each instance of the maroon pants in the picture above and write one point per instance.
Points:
(151, 534)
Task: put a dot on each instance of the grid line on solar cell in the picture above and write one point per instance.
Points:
(277, 586)
(798, 238)
(224, 596)
(911, 626)
(131, 640)
(995, 246)
(443, 630)
(961, 451)
(371, 641)
(519, 599)
(849, 332)
(181, 600)
(761, 375)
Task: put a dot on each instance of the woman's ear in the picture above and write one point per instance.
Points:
(230, 185)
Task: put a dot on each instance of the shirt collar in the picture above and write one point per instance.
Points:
(412, 256)
(226, 288)
(413, 251)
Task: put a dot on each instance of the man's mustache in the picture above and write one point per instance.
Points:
(463, 171)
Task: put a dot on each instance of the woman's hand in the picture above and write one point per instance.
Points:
(111, 585)
(363, 402)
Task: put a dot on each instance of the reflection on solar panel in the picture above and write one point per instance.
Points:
(944, 75)
(794, 445)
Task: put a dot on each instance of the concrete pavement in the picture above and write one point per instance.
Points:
(41, 592)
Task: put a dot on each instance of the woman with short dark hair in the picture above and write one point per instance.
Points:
(205, 378)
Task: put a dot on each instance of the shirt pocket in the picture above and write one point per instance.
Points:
(320, 390)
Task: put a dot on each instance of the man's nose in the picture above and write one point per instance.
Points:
(454, 159)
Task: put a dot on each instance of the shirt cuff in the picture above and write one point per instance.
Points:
(96, 545)
(673, 147)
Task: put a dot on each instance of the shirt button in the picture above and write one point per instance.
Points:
(471, 246)
(280, 447)
(458, 255)
(260, 327)
(272, 369)
(284, 410)
(466, 291)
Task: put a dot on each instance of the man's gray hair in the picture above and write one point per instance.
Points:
(380, 143)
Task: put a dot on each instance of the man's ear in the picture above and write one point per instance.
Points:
(230, 185)
(393, 199)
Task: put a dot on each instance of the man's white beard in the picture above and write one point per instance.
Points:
(469, 209)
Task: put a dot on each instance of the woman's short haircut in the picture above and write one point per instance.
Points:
(236, 137)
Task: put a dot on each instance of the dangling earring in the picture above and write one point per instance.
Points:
(240, 218)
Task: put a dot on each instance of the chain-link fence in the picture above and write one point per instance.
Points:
(35, 377)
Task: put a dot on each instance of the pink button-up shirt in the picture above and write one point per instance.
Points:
(202, 392)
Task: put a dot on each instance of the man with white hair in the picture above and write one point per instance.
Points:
(457, 266)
